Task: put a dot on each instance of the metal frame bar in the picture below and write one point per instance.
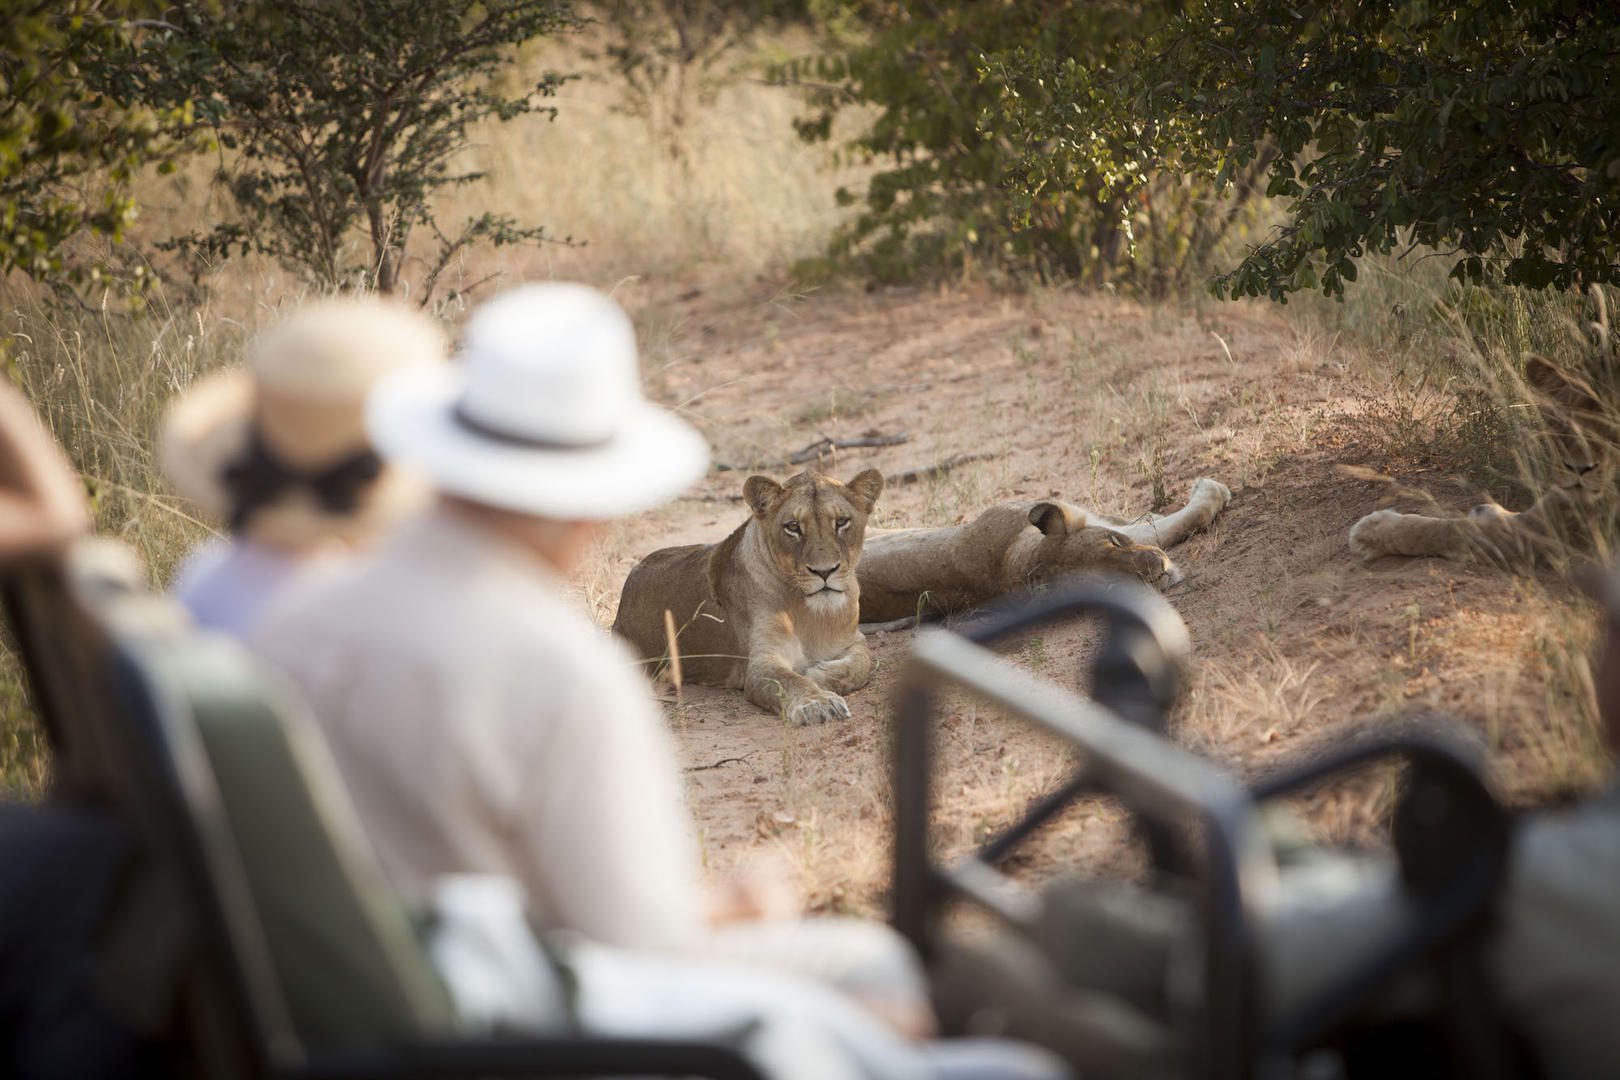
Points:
(1151, 775)
(1445, 914)
(1161, 783)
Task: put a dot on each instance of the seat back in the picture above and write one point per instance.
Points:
(64, 656)
(233, 792)
(283, 854)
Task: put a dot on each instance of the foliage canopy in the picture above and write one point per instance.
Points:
(959, 93)
(342, 121)
(71, 138)
(1487, 131)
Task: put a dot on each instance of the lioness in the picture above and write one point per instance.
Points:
(774, 606)
(1489, 531)
(1580, 429)
(914, 572)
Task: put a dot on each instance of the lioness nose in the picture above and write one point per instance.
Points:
(824, 574)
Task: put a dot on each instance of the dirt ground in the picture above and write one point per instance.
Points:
(1115, 406)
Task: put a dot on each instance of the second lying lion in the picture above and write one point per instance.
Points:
(1016, 545)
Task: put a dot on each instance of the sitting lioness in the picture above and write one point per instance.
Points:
(773, 607)
(907, 573)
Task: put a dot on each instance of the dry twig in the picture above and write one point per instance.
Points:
(912, 476)
(817, 450)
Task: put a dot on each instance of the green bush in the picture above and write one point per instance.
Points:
(1487, 131)
(955, 184)
(340, 131)
(72, 135)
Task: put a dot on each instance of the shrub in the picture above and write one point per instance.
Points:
(953, 112)
(71, 135)
(1487, 131)
(342, 127)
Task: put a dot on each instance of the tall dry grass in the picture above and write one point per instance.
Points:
(1515, 395)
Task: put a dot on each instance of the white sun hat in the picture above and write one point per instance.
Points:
(543, 415)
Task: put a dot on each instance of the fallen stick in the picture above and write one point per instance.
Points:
(721, 763)
(905, 476)
(816, 450)
(710, 498)
(911, 476)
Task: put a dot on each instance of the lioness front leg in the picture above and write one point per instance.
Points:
(850, 670)
(1488, 532)
(1209, 497)
(773, 685)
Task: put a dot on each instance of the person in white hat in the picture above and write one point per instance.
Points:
(482, 721)
(277, 451)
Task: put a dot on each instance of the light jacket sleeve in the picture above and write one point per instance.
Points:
(607, 838)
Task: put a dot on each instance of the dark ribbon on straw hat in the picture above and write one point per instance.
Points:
(257, 478)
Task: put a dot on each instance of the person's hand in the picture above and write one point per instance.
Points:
(42, 504)
(764, 889)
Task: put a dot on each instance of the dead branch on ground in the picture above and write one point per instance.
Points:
(912, 476)
(818, 450)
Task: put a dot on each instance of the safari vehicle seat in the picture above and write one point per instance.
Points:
(312, 965)
(1230, 961)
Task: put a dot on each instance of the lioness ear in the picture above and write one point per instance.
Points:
(759, 492)
(1055, 519)
(867, 486)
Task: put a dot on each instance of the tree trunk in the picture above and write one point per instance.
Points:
(382, 251)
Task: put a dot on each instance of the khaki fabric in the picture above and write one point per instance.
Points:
(345, 955)
(484, 724)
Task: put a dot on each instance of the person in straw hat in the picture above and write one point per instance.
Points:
(481, 720)
(277, 451)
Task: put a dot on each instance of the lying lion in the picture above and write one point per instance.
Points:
(773, 607)
(1490, 532)
(908, 573)
(1581, 432)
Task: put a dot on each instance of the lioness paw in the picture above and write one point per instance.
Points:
(1208, 488)
(818, 710)
(1369, 536)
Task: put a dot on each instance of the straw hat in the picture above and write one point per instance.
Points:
(543, 416)
(277, 448)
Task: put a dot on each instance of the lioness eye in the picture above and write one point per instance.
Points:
(843, 523)
(1116, 539)
(791, 528)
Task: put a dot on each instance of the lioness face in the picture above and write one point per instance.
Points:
(1070, 544)
(813, 528)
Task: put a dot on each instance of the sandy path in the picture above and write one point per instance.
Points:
(1103, 402)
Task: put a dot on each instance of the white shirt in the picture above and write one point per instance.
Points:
(484, 724)
(229, 584)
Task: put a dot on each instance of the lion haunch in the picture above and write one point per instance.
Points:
(772, 608)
